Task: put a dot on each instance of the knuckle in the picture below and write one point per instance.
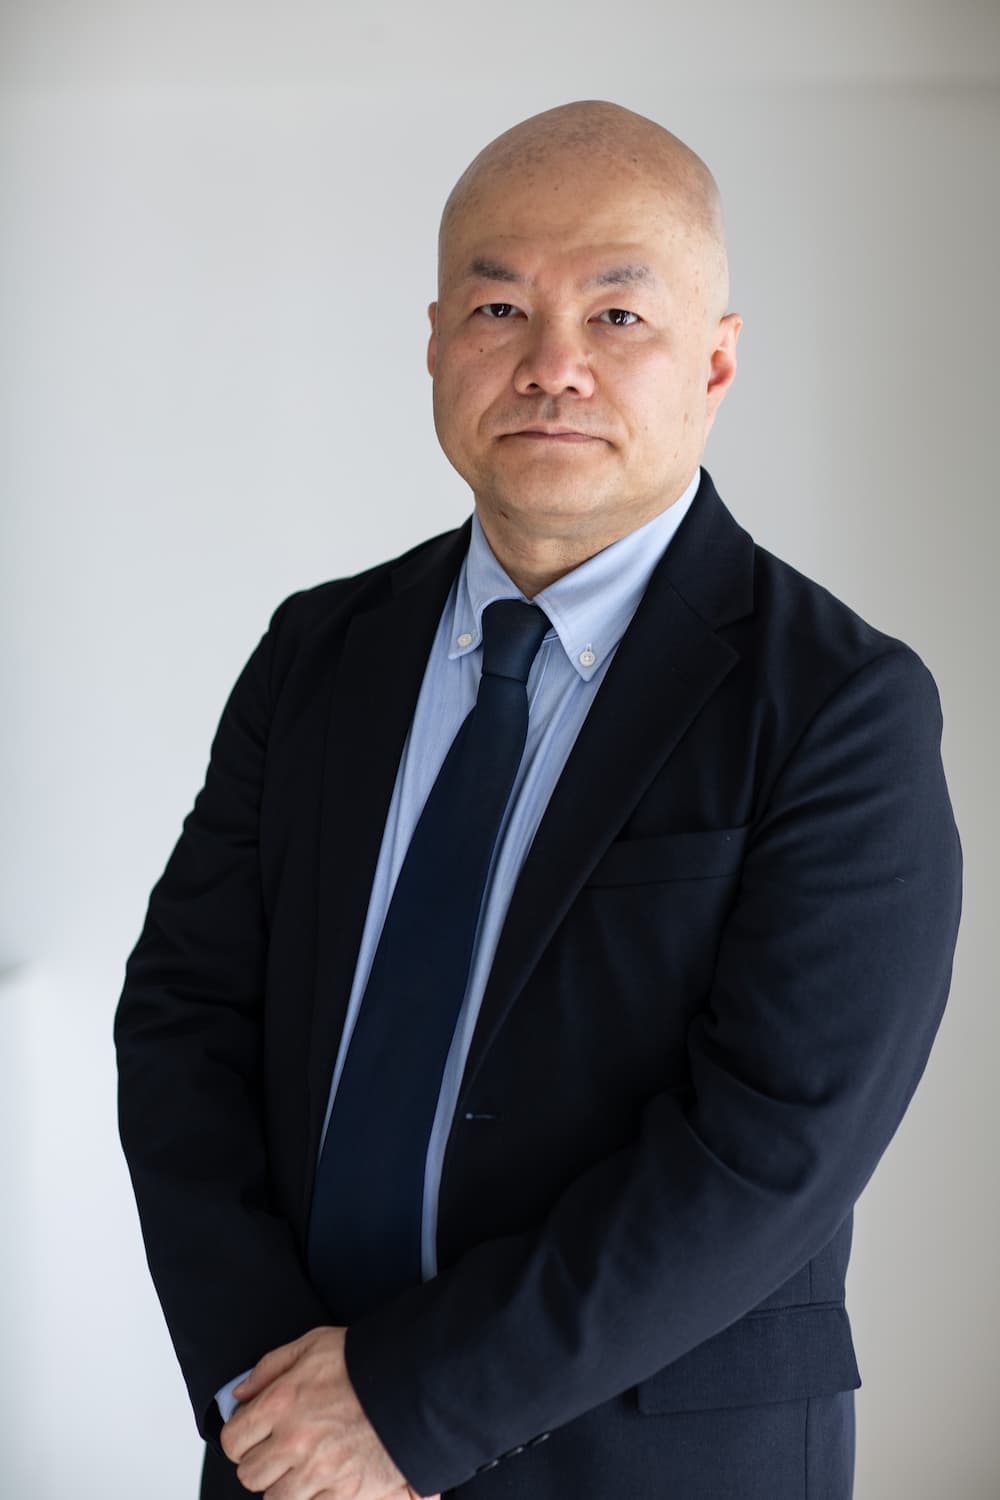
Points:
(348, 1488)
(282, 1400)
(298, 1447)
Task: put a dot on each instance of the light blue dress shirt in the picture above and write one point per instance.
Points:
(590, 609)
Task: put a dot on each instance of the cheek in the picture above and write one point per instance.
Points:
(658, 400)
(471, 376)
(669, 395)
(462, 395)
(650, 399)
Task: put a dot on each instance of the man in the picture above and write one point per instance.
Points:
(541, 1028)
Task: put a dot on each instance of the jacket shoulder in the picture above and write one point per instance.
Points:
(769, 611)
(810, 660)
(318, 604)
(307, 630)
(814, 643)
(810, 615)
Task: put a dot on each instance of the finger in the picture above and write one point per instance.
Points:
(262, 1468)
(268, 1369)
(246, 1428)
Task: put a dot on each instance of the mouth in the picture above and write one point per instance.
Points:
(554, 435)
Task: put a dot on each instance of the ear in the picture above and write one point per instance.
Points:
(722, 370)
(432, 343)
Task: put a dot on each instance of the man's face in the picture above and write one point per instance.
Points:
(577, 360)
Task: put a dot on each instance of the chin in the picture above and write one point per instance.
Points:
(538, 501)
(554, 489)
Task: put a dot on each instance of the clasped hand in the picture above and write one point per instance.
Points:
(300, 1432)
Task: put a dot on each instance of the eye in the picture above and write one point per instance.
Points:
(619, 317)
(497, 309)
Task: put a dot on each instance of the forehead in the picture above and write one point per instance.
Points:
(576, 225)
(517, 262)
(504, 264)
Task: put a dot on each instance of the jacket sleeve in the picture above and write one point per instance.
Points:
(830, 983)
(189, 1036)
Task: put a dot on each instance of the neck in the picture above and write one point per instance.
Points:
(532, 563)
(533, 558)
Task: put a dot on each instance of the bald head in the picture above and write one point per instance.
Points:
(595, 139)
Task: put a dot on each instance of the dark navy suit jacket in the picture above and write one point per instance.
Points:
(721, 973)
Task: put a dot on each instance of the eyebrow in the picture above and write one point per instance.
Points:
(482, 269)
(633, 274)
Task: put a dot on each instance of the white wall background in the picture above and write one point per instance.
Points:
(217, 227)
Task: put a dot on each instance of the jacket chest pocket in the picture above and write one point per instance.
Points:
(709, 854)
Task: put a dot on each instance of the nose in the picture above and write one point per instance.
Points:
(555, 361)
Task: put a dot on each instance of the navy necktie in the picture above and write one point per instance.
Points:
(365, 1225)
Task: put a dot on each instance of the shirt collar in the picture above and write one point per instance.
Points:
(589, 608)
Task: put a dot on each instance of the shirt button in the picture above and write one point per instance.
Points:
(465, 639)
(587, 658)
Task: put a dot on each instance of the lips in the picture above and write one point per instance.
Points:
(556, 435)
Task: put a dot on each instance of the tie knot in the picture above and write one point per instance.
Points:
(512, 634)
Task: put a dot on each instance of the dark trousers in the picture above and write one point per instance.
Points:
(787, 1450)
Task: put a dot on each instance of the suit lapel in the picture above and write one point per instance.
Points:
(375, 691)
(667, 665)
